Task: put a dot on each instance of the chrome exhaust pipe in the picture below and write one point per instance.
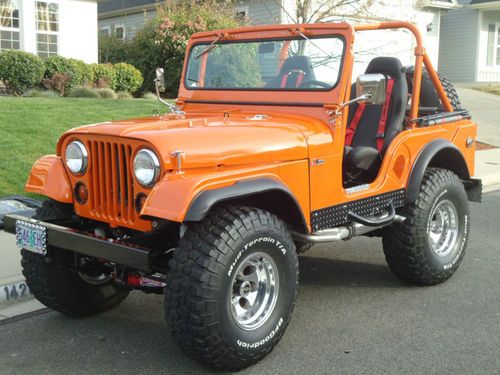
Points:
(340, 233)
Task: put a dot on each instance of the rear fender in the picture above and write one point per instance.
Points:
(49, 178)
(440, 153)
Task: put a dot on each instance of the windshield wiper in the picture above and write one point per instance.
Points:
(209, 47)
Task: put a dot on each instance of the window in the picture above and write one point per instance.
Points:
(104, 31)
(9, 24)
(120, 32)
(47, 26)
(493, 53)
(242, 12)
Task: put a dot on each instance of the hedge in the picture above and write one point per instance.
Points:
(21, 70)
(127, 78)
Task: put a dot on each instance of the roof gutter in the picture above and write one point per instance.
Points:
(126, 11)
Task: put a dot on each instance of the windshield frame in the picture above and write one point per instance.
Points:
(337, 35)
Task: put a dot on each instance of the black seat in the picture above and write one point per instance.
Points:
(363, 158)
(295, 70)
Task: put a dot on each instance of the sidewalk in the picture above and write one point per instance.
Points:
(15, 297)
(484, 109)
(488, 168)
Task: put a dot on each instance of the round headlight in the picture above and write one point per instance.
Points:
(76, 157)
(146, 167)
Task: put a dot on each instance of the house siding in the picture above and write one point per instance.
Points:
(262, 12)
(132, 22)
(459, 44)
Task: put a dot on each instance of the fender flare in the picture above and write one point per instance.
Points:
(426, 157)
(205, 200)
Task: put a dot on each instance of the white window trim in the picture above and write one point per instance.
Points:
(107, 28)
(496, 46)
(243, 8)
(15, 29)
(48, 32)
(124, 30)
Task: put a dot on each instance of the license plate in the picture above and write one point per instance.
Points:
(31, 237)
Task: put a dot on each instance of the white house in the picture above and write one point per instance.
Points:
(53, 27)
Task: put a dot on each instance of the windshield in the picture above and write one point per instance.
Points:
(288, 64)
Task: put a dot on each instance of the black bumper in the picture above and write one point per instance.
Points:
(119, 252)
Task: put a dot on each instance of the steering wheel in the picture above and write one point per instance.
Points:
(313, 82)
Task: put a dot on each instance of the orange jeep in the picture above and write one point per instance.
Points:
(269, 150)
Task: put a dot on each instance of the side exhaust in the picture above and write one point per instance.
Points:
(351, 230)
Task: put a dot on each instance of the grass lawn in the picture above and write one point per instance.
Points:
(492, 89)
(30, 128)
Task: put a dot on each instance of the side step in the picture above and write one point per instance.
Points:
(358, 227)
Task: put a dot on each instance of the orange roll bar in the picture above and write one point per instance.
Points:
(421, 58)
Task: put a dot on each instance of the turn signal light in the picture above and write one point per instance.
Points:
(81, 193)
(140, 199)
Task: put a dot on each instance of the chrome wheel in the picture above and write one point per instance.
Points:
(443, 228)
(254, 291)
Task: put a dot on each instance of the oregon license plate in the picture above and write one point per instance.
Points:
(31, 237)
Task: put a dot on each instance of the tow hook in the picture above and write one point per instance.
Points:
(148, 284)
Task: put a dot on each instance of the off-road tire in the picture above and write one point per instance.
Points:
(451, 93)
(60, 288)
(197, 307)
(428, 94)
(407, 246)
(303, 247)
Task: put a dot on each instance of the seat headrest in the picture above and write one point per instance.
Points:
(297, 63)
(386, 65)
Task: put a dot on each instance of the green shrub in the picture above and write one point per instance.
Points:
(37, 93)
(77, 71)
(83, 92)
(127, 78)
(112, 50)
(21, 70)
(104, 75)
(123, 95)
(106, 94)
(84, 71)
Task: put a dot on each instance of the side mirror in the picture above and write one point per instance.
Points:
(370, 88)
(160, 80)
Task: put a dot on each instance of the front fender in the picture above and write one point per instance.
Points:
(182, 198)
(48, 177)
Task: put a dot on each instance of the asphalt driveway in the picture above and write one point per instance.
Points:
(352, 317)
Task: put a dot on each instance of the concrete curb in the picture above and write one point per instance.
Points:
(12, 292)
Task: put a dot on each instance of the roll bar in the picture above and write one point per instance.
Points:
(421, 58)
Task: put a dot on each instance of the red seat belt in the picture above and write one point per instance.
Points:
(298, 81)
(383, 117)
(351, 130)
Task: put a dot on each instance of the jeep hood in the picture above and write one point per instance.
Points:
(209, 141)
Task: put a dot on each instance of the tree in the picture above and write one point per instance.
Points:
(313, 11)
(162, 41)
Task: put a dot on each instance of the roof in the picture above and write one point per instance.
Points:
(440, 4)
(109, 7)
(485, 4)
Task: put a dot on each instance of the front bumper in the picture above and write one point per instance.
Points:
(119, 252)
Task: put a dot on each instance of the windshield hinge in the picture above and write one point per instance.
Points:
(333, 111)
